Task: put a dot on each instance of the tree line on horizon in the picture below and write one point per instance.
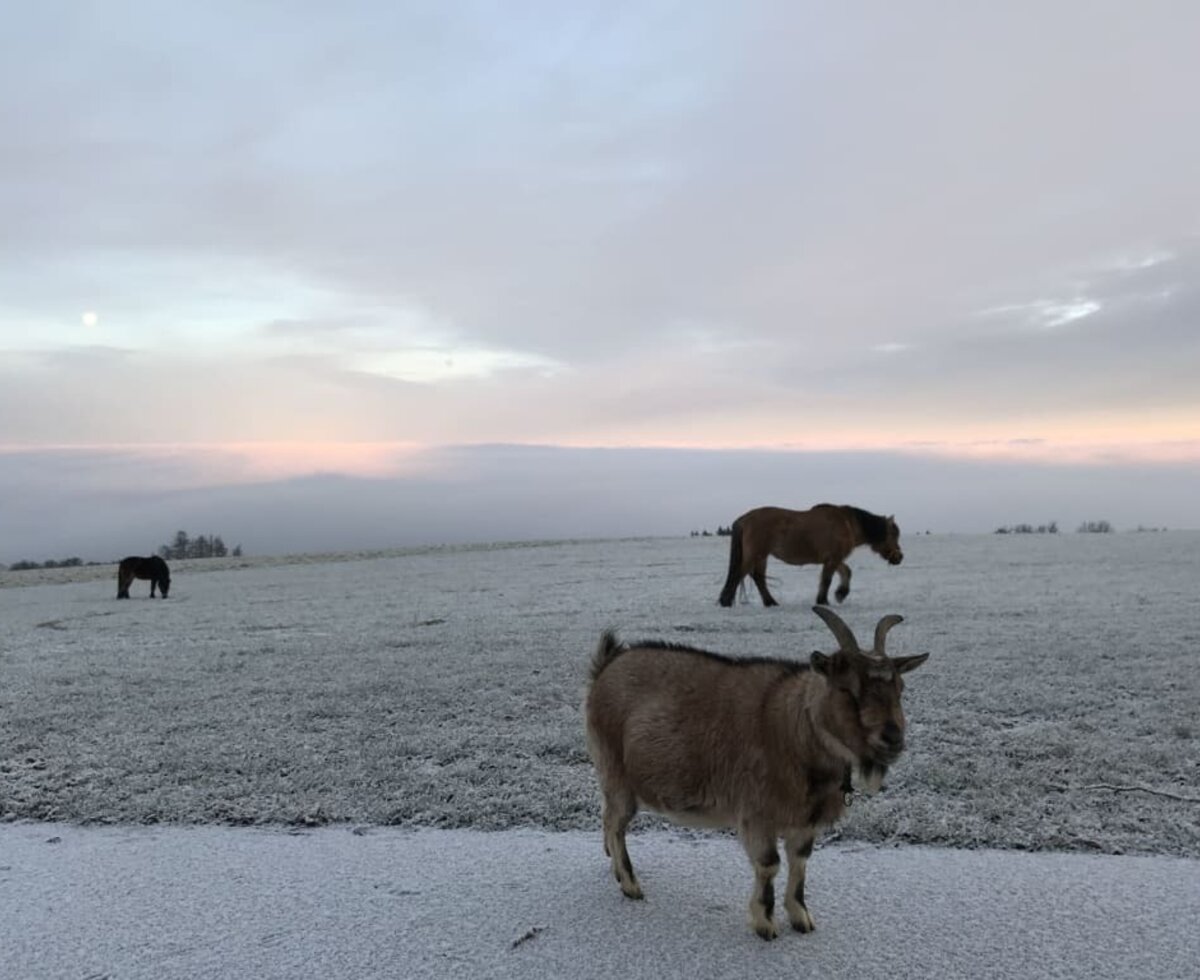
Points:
(201, 546)
(1051, 528)
(722, 532)
(182, 546)
(1085, 527)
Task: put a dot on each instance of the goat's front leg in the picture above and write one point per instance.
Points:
(760, 847)
(799, 847)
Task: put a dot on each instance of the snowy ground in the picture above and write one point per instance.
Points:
(442, 687)
(180, 903)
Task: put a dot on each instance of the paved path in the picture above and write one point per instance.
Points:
(161, 903)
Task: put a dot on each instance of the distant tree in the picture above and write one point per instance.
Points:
(179, 547)
(1095, 527)
(24, 566)
(1051, 528)
(237, 551)
(724, 532)
(201, 546)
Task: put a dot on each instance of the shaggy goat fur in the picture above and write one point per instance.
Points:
(759, 745)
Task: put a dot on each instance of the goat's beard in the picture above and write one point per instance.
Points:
(871, 774)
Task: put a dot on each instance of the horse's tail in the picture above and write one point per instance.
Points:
(735, 576)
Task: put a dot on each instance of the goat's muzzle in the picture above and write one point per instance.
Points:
(889, 745)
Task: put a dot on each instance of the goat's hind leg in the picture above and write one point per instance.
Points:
(620, 805)
(799, 848)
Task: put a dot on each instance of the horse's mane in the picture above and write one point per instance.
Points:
(874, 527)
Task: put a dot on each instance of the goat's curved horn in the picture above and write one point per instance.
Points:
(881, 631)
(840, 630)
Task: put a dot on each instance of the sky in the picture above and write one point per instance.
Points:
(938, 259)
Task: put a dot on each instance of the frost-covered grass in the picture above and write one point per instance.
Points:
(442, 687)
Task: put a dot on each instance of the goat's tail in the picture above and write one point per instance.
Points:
(607, 650)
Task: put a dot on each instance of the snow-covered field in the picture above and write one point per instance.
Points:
(441, 687)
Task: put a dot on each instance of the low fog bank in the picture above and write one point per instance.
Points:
(58, 504)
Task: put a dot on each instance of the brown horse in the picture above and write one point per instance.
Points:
(152, 568)
(822, 536)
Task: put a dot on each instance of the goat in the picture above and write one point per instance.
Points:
(764, 746)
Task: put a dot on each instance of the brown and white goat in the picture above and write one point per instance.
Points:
(763, 746)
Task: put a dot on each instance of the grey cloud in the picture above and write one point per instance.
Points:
(807, 155)
(577, 181)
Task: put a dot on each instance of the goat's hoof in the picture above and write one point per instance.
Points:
(632, 891)
(802, 921)
(766, 930)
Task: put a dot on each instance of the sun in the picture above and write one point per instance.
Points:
(90, 318)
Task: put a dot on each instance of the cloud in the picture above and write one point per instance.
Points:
(643, 224)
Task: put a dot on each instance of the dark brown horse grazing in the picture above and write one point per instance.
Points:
(152, 568)
(822, 536)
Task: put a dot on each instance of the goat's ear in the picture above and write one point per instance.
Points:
(821, 663)
(904, 664)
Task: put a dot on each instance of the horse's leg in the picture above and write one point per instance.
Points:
(843, 588)
(153, 583)
(759, 574)
(827, 571)
(123, 581)
(737, 568)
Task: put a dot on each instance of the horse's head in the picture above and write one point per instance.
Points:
(888, 548)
